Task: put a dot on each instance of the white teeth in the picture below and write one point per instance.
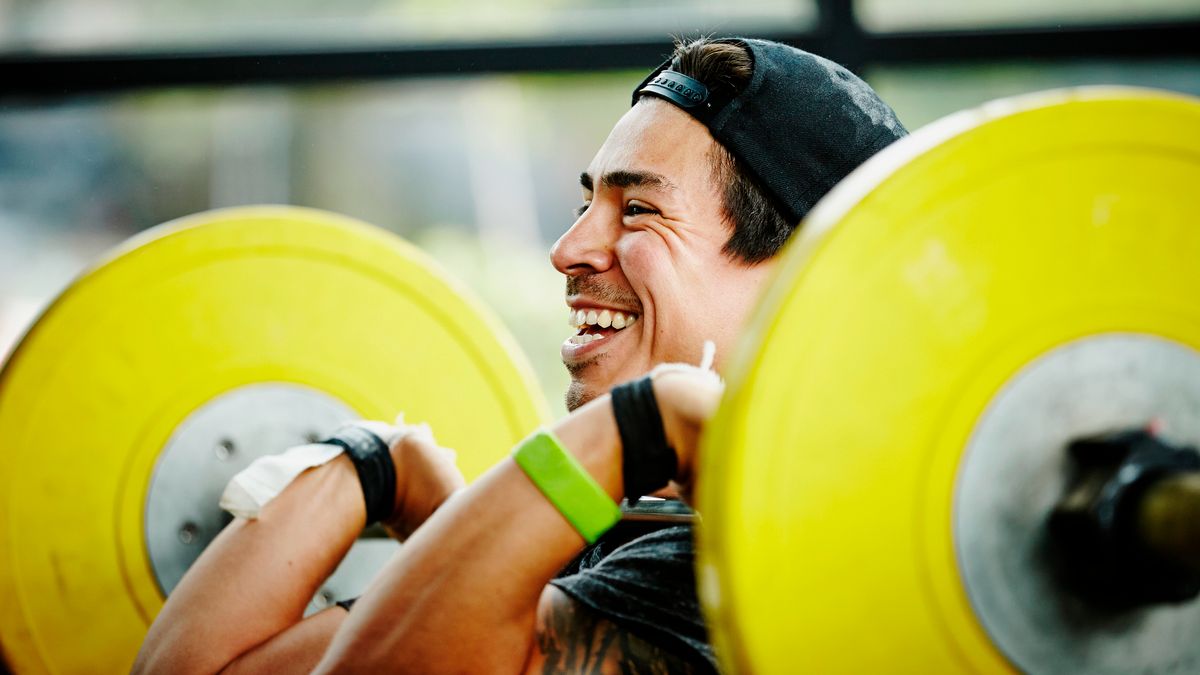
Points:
(584, 339)
(603, 318)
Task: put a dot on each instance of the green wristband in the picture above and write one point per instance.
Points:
(567, 485)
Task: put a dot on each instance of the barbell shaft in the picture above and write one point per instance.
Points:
(1168, 520)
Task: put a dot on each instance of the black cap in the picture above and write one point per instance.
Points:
(801, 124)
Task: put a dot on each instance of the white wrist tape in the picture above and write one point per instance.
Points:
(256, 485)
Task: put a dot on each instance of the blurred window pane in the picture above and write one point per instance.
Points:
(124, 24)
(905, 15)
(481, 172)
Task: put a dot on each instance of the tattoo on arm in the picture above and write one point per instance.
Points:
(575, 640)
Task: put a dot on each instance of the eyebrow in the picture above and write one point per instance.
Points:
(625, 179)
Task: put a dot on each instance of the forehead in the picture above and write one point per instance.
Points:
(656, 136)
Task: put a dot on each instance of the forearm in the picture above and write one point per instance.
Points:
(463, 593)
(295, 650)
(256, 578)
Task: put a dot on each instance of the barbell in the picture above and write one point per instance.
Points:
(975, 301)
(956, 437)
(188, 352)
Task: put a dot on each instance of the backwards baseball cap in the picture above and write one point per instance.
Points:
(800, 125)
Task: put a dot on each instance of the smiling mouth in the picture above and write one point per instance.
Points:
(598, 324)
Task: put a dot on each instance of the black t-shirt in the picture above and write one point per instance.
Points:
(646, 584)
(641, 577)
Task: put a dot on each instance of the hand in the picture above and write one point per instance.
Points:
(426, 475)
(687, 398)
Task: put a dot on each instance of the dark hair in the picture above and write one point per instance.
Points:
(759, 226)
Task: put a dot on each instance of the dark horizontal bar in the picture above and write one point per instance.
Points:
(39, 75)
(1154, 40)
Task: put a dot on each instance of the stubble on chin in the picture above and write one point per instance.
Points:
(579, 393)
(576, 395)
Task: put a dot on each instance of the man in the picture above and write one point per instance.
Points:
(725, 149)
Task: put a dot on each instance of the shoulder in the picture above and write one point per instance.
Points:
(574, 638)
(665, 545)
(662, 560)
(676, 540)
(646, 588)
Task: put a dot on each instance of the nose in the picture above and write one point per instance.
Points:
(586, 248)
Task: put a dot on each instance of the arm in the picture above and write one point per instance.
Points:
(296, 650)
(466, 592)
(240, 606)
(257, 576)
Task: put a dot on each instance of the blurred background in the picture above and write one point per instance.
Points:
(460, 126)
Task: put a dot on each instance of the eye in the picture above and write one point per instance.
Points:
(634, 209)
(581, 208)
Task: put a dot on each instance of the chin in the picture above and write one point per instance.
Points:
(577, 395)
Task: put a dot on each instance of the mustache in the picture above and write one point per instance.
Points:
(602, 291)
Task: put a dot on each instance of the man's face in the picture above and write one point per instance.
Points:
(648, 245)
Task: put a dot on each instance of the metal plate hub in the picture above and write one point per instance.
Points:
(1014, 471)
(219, 439)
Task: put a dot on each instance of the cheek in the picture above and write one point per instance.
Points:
(674, 284)
(644, 255)
(643, 261)
(634, 249)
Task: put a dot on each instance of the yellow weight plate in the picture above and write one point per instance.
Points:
(180, 315)
(913, 293)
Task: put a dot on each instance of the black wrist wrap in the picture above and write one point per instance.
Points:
(648, 462)
(376, 471)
